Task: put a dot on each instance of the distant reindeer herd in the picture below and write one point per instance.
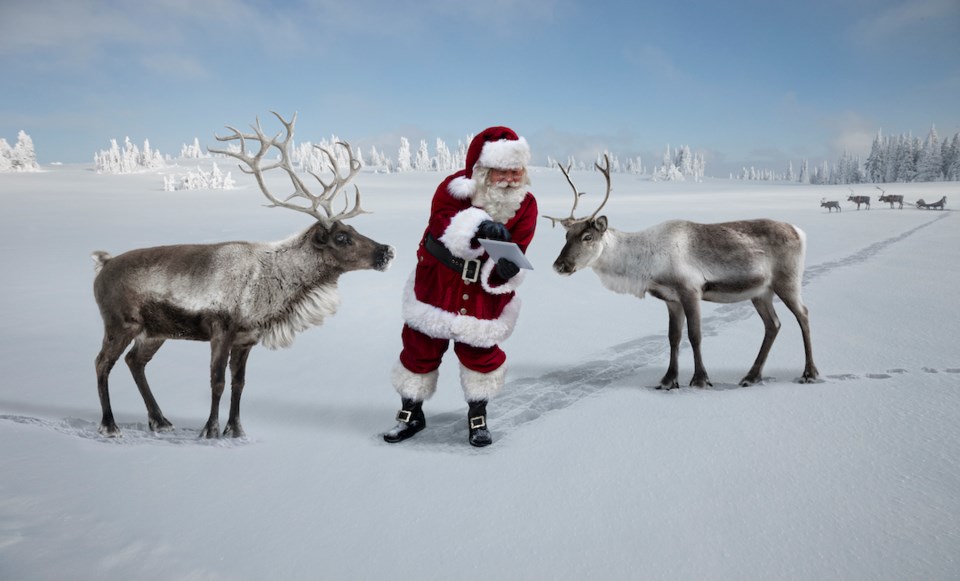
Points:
(884, 198)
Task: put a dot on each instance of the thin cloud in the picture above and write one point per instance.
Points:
(882, 26)
(175, 66)
(852, 133)
(70, 33)
(656, 62)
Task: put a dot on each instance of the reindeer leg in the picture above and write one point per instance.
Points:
(220, 343)
(800, 311)
(771, 326)
(113, 345)
(238, 370)
(137, 359)
(675, 333)
(691, 308)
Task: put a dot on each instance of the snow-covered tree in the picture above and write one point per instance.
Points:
(193, 151)
(403, 156)
(444, 159)
(875, 167)
(131, 159)
(21, 157)
(930, 159)
(680, 165)
(951, 159)
(199, 180)
(906, 159)
(422, 161)
(6, 156)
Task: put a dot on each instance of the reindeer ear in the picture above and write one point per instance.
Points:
(321, 235)
(601, 224)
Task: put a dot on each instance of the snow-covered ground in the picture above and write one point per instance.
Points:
(594, 474)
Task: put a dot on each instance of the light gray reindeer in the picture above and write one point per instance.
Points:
(232, 294)
(682, 263)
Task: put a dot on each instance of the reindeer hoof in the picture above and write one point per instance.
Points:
(700, 382)
(749, 380)
(210, 431)
(161, 425)
(234, 431)
(668, 384)
(110, 431)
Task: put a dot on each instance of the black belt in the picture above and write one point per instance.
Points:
(469, 269)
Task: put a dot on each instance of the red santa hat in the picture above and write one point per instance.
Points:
(494, 148)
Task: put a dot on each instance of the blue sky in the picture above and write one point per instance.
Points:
(754, 83)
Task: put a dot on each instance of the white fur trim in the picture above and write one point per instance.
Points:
(440, 324)
(461, 230)
(482, 386)
(508, 287)
(462, 188)
(414, 386)
(505, 154)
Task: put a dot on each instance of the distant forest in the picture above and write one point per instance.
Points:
(903, 158)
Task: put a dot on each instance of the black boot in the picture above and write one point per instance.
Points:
(477, 419)
(410, 420)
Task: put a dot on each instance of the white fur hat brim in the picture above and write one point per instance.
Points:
(505, 154)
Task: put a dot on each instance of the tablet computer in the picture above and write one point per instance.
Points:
(509, 250)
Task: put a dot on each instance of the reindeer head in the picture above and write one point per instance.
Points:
(340, 248)
(337, 246)
(584, 235)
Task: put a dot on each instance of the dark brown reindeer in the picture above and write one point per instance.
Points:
(890, 199)
(859, 200)
(232, 294)
(830, 205)
(682, 263)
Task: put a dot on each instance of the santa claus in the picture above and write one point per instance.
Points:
(457, 293)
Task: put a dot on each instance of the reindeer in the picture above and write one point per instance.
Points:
(232, 294)
(890, 199)
(859, 200)
(831, 205)
(938, 205)
(682, 263)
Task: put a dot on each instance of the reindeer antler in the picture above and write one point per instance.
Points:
(571, 220)
(323, 201)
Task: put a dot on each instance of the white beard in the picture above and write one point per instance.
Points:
(501, 200)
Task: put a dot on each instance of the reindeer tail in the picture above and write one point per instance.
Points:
(100, 258)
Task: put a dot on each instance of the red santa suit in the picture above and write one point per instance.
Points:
(455, 293)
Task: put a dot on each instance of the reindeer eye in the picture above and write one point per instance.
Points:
(342, 239)
(587, 237)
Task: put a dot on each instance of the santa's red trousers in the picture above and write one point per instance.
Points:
(422, 353)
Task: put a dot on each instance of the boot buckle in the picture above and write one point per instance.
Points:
(478, 422)
(404, 416)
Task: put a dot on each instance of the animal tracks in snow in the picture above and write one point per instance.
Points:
(132, 434)
(890, 373)
(814, 272)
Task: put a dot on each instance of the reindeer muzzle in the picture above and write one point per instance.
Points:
(563, 267)
(384, 257)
